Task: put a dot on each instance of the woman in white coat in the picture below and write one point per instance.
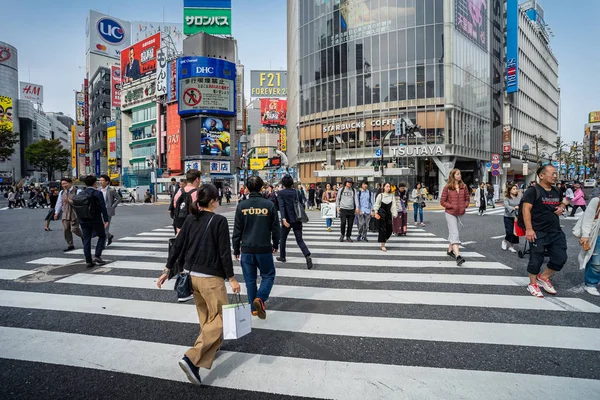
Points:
(589, 256)
(481, 198)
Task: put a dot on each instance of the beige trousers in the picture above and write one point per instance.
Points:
(71, 227)
(210, 295)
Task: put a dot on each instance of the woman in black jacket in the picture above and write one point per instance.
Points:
(203, 248)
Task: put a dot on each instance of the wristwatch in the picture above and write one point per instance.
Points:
(166, 271)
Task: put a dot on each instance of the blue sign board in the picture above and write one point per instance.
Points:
(378, 153)
(512, 46)
(207, 3)
(205, 85)
(97, 159)
(488, 164)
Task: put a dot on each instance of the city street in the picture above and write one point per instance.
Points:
(406, 324)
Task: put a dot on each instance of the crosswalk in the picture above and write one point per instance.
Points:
(499, 210)
(362, 324)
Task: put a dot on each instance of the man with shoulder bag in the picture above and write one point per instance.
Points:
(112, 200)
(184, 198)
(586, 230)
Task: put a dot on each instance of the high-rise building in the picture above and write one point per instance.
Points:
(356, 68)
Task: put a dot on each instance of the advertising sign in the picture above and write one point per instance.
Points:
(6, 113)
(215, 137)
(273, 111)
(141, 30)
(268, 83)
(111, 136)
(137, 95)
(283, 140)
(207, 3)
(220, 167)
(239, 101)
(81, 159)
(206, 85)
(506, 146)
(594, 117)
(8, 56)
(258, 163)
(32, 92)
(172, 83)
(161, 72)
(107, 35)
(139, 60)
(192, 164)
(115, 86)
(79, 105)
(211, 21)
(471, 20)
(74, 149)
(173, 138)
(512, 46)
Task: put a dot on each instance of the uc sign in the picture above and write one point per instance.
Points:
(111, 31)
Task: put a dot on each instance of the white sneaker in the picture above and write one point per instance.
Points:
(534, 289)
(504, 245)
(184, 299)
(512, 250)
(593, 290)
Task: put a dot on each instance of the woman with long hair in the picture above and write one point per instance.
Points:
(455, 200)
(329, 196)
(203, 249)
(418, 197)
(385, 209)
(511, 209)
(481, 198)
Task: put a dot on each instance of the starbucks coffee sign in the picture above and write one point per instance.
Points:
(418, 151)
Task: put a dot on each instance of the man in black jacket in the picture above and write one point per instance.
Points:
(286, 199)
(256, 234)
(96, 225)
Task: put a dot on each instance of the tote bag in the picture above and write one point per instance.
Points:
(237, 320)
(299, 210)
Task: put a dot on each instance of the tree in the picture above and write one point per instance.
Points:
(48, 156)
(8, 139)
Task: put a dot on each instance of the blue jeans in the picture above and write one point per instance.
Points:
(592, 268)
(328, 222)
(87, 231)
(418, 209)
(264, 263)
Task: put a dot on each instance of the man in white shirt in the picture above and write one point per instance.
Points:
(69, 218)
(112, 200)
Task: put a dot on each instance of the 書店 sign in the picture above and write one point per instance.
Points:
(418, 151)
(207, 20)
(268, 84)
(220, 167)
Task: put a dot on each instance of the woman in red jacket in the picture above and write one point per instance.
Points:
(455, 199)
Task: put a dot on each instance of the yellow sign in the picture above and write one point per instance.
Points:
(6, 113)
(73, 147)
(283, 140)
(594, 117)
(257, 163)
(262, 151)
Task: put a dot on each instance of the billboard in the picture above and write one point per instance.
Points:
(115, 86)
(205, 85)
(172, 81)
(111, 137)
(220, 167)
(512, 46)
(273, 111)
(215, 21)
(141, 30)
(161, 72)
(32, 92)
(594, 117)
(470, 17)
(79, 108)
(138, 94)
(283, 140)
(215, 137)
(139, 60)
(74, 150)
(173, 138)
(207, 3)
(8, 56)
(6, 113)
(107, 35)
(239, 100)
(268, 83)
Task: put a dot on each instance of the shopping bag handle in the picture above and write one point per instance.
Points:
(239, 297)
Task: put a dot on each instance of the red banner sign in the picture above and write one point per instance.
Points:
(139, 60)
(273, 111)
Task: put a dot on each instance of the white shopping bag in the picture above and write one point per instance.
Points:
(328, 210)
(237, 320)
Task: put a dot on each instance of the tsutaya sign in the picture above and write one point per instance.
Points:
(424, 151)
(375, 123)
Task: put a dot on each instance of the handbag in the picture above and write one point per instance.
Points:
(519, 232)
(237, 319)
(299, 210)
(183, 282)
(423, 205)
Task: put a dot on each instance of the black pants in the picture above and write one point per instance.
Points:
(346, 222)
(88, 231)
(575, 209)
(556, 245)
(297, 227)
(509, 228)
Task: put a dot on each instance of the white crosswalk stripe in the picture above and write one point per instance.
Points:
(412, 299)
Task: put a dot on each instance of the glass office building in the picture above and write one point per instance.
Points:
(358, 66)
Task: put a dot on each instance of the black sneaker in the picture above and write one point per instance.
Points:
(90, 265)
(99, 261)
(280, 259)
(349, 239)
(69, 248)
(110, 238)
(309, 263)
(451, 254)
(190, 370)
(341, 239)
(460, 261)
(365, 239)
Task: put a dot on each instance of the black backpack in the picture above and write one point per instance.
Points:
(182, 207)
(520, 220)
(83, 205)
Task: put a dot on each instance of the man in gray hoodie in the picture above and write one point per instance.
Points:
(346, 207)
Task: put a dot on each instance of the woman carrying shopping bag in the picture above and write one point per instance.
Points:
(481, 198)
(203, 249)
(589, 256)
(455, 200)
(329, 197)
(512, 199)
(418, 198)
(385, 209)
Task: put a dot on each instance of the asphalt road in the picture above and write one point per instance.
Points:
(362, 324)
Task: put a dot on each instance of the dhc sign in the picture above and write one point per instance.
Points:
(111, 31)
